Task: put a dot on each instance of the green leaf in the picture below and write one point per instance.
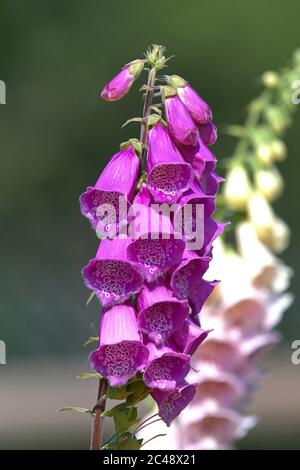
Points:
(88, 375)
(117, 393)
(92, 339)
(78, 409)
(115, 410)
(130, 443)
(135, 119)
(137, 392)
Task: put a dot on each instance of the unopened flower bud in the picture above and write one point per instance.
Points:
(264, 153)
(270, 79)
(269, 183)
(120, 85)
(237, 188)
(280, 236)
(279, 151)
(261, 216)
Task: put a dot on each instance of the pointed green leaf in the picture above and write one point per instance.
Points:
(89, 375)
(78, 409)
(92, 339)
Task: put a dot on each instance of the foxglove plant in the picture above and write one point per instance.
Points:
(148, 279)
(250, 301)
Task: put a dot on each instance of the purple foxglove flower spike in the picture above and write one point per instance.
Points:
(189, 337)
(118, 179)
(156, 249)
(180, 124)
(187, 282)
(121, 353)
(166, 368)
(120, 85)
(197, 107)
(170, 404)
(168, 174)
(113, 278)
(208, 133)
(160, 313)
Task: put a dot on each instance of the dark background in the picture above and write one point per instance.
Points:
(56, 135)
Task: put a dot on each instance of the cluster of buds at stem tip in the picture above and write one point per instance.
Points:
(150, 283)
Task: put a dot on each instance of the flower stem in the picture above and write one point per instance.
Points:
(146, 111)
(97, 424)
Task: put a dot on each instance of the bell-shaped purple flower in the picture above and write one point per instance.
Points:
(170, 404)
(197, 107)
(111, 275)
(194, 208)
(208, 133)
(166, 368)
(120, 85)
(160, 313)
(187, 282)
(189, 337)
(212, 229)
(117, 181)
(121, 353)
(168, 174)
(156, 248)
(200, 157)
(180, 124)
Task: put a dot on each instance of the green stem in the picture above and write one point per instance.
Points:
(146, 112)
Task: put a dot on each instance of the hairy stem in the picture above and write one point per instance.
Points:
(146, 111)
(97, 424)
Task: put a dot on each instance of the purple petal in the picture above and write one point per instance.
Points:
(120, 354)
(113, 278)
(197, 107)
(160, 314)
(180, 123)
(187, 282)
(189, 337)
(168, 174)
(170, 404)
(117, 180)
(166, 369)
(208, 133)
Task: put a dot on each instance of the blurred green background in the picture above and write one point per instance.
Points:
(55, 136)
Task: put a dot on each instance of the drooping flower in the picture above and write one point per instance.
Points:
(197, 107)
(189, 337)
(157, 248)
(117, 180)
(208, 133)
(166, 368)
(160, 313)
(111, 275)
(187, 282)
(168, 174)
(121, 353)
(237, 188)
(181, 126)
(171, 403)
(120, 85)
